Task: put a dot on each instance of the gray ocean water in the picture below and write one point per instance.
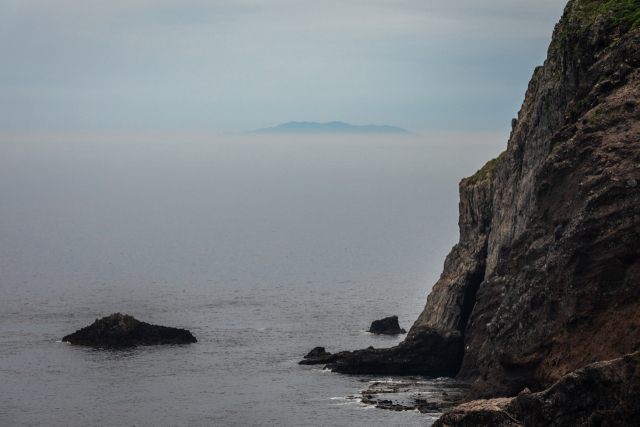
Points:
(263, 247)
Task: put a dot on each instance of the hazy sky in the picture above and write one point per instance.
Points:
(237, 65)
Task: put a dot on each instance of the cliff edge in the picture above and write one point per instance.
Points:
(545, 278)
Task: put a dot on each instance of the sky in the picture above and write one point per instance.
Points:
(229, 66)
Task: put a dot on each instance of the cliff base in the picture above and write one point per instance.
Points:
(601, 394)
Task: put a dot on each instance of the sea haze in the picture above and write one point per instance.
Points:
(329, 128)
(263, 246)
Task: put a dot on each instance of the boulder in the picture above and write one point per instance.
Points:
(387, 326)
(123, 330)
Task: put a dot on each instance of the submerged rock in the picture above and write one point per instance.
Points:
(123, 330)
(387, 326)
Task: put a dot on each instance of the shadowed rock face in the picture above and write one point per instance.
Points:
(386, 326)
(124, 330)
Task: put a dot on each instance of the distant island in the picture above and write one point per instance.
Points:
(328, 128)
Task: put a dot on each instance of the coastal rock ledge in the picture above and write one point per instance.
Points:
(601, 394)
(123, 330)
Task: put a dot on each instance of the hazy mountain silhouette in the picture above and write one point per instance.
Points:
(331, 127)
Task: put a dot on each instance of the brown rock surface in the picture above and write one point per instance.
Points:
(562, 283)
(600, 394)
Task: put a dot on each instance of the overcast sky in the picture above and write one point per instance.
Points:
(238, 65)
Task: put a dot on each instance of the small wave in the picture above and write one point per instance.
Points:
(387, 381)
(348, 400)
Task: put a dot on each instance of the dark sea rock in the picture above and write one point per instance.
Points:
(386, 326)
(426, 352)
(318, 356)
(123, 330)
(604, 394)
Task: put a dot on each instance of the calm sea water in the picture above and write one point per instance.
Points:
(263, 247)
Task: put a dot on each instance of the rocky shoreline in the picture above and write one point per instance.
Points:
(542, 291)
(428, 396)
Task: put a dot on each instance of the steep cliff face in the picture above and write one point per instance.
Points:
(546, 276)
(454, 294)
(562, 275)
(435, 343)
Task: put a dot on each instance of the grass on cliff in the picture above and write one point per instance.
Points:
(556, 145)
(487, 171)
(625, 12)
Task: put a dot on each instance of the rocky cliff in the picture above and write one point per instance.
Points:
(562, 277)
(545, 278)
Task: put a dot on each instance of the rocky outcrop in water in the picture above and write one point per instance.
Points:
(386, 326)
(428, 352)
(545, 278)
(123, 330)
(319, 356)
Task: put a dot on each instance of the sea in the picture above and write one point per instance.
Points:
(264, 247)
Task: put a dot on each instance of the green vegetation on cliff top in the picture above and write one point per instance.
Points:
(487, 171)
(624, 12)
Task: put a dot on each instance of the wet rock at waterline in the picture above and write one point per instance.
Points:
(387, 326)
(412, 393)
(123, 330)
(425, 352)
(319, 356)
